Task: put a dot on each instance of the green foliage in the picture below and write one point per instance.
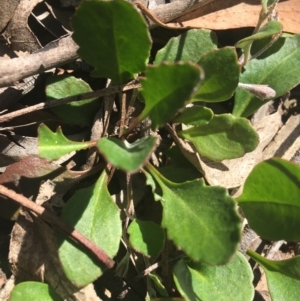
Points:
(270, 200)
(180, 168)
(276, 67)
(195, 115)
(147, 238)
(209, 228)
(34, 291)
(202, 221)
(219, 83)
(158, 285)
(168, 299)
(186, 47)
(223, 137)
(55, 145)
(232, 281)
(77, 112)
(92, 212)
(268, 30)
(283, 276)
(124, 155)
(113, 38)
(163, 101)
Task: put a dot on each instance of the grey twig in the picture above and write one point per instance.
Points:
(61, 52)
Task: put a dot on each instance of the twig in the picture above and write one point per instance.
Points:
(49, 217)
(156, 265)
(56, 54)
(53, 103)
(123, 114)
(168, 12)
(151, 15)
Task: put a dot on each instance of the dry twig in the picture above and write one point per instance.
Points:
(77, 97)
(49, 217)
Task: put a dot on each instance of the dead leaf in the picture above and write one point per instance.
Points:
(33, 256)
(6, 290)
(287, 141)
(11, 152)
(226, 14)
(26, 177)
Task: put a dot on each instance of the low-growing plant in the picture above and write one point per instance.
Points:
(176, 91)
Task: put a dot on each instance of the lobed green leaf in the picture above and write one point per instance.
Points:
(210, 227)
(55, 145)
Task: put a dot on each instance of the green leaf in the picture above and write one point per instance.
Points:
(147, 238)
(268, 30)
(179, 169)
(222, 73)
(34, 291)
(158, 285)
(195, 115)
(77, 112)
(156, 190)
(113, 37)
(270, 200)
(129, 157)
(189, 46)
(167, 299)
(225, 137)
(92, 212)
(276, 67)
(197, 281)
(55, 145)
(201, 220)
(166, 89)
(283, 276)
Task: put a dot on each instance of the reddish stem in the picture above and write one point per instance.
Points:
(48, 216)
